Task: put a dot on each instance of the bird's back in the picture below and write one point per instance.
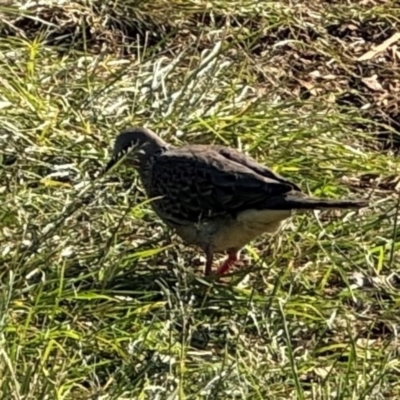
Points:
(198, 182)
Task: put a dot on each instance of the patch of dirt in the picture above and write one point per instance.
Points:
(385, 184)
(371, 30)
(343, 66)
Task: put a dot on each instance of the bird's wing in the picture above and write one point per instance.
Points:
(195, 182)
(249, 162)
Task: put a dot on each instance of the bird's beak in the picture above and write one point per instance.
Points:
(116, 158)
(110, 164)
(114, 161)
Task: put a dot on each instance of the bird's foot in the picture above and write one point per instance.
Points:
(227, 264)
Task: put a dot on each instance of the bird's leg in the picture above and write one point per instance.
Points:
(233, 257)
(209, 261)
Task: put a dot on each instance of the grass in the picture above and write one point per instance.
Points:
(98, 299)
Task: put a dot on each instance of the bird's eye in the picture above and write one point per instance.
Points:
(159, 151)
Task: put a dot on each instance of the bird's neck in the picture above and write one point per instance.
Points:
(146, 166)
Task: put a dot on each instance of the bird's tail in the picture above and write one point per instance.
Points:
(300, 201)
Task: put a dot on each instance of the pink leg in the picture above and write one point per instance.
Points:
(228, 263)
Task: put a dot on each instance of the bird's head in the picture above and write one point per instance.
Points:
(136, 146)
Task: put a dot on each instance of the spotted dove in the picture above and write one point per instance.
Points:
(214, 197)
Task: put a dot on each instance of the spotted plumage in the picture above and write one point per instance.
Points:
(213, 196)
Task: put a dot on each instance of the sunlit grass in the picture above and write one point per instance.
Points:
(98, 299)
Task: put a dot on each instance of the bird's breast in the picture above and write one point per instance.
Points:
(225, 233)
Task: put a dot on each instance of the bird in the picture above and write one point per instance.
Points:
(213, 196)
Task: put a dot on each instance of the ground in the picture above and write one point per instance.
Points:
(98, 299)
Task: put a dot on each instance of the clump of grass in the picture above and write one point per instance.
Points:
(98, 299)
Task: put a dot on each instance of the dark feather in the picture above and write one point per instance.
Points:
(197, 181)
